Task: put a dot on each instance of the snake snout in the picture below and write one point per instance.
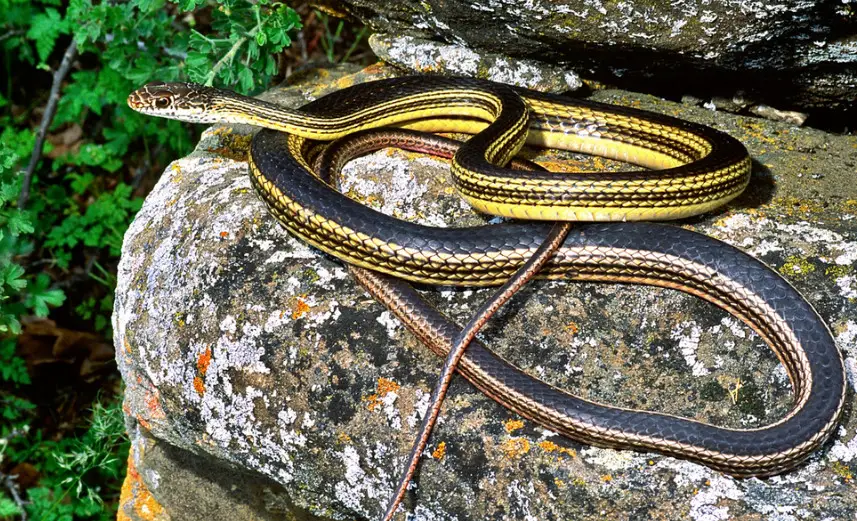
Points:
(134, 101)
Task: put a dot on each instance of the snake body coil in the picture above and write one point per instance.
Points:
(698, 169)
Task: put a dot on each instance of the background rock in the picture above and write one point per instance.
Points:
(295, 391)
(791, 52)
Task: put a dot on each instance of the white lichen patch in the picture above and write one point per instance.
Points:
(612, 460)
(711, 489)
(359, 486)
(734, 326)
(520, 494)
(391, 412)
(386, 319)
(326, 276)
(424, 513)
(297, 250)
(276, 320)
(687, 335)
(844, 451)
(847, 286)
(388, 185)
(685, 473)
(289, 436)
(846, 339)
(708, 505)
(420, 407)
(428, 55)
(432, 56)
(807, 238)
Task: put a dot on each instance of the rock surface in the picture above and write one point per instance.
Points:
(807, 49)
(262, 383)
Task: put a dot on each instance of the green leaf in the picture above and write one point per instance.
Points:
(8, 508)
(44, 30)
(147, 5)
(12, 367)
(39, 296)
(18, 223)
(79, 183)
(245, 79)
(189, 5)
(11, 275)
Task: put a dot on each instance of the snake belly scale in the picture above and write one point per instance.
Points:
(698, 169)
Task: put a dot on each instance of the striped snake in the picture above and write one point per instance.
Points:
(689, 169)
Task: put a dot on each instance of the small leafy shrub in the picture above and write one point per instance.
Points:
(60, 243)
(63, 216)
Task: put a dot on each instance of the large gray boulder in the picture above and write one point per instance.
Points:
(783, 52)
(263, 383)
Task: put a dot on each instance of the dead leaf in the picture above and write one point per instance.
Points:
(42, 342)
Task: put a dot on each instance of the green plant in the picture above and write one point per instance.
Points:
(19, 293)
(75, 163)
(330, 37)
(65, 208)
(85, 469)
(82, 200)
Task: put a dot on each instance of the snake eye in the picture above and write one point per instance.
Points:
(162, 103)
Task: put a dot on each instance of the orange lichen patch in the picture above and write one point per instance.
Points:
(343, 438)
(199, 385)
(224, 235)
(203, 361)
(126, 345)
(299, 308)
(572, 328)
(549, 446)
(153, 405)
(515, 447)
(135, 498)
(384, 387)
(440, 451)
(513, 425)
(606, 478)
(376, 68)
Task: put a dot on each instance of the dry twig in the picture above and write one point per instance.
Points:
(47, 118)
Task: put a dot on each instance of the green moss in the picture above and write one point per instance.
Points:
(712, 392)
(750, 401)
(796, 267)
(311, 275)
(842, 470)
(180, 318)
(838, 271)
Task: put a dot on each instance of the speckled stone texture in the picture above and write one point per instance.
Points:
(261, 382)
(808, 50)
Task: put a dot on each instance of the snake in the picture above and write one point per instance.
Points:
(687, 169)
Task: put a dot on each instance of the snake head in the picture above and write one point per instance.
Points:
(182, 101)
